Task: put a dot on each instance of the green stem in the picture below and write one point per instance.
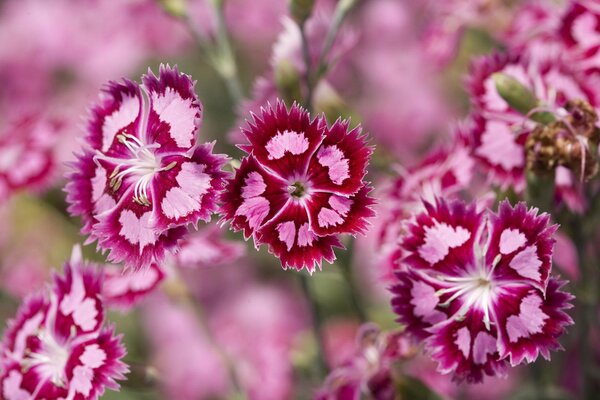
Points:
(317, 322)
(228, 69)
(308, 81)
(347, 274)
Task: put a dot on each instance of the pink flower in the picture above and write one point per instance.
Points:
(300, 186)
(477, 288)
(125, 289)
(207, 248)
(580, 33)
(57, 346)
(143, 177)
(368, 373)
(27, 155)
(498, 133)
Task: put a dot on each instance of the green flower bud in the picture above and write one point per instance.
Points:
(300, 10)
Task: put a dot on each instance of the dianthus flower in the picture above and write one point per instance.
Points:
(580, 33)
(477, 288)
(58, 347)
(369, 373)
(498, 132)
(26, 154)
(300, 185)
(143, 176)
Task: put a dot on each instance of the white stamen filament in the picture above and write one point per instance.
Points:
(144, 165)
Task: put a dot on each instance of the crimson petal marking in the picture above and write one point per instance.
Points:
(289, 237)
(174, 110)
(339, 165)
(118, 110)
(330, 213)
(532, 260)
(248, 194)
(284, 141)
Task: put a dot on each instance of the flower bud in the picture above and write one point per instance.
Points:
(176, 8)
(288, 81)
(519, 97)
(300, 10)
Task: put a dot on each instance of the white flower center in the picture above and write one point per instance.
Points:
(142, 166)
(50, 361)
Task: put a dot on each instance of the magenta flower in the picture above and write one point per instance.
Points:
(27, 158)
(57, 346)
(125, 289)
(477, 288)
(143, 177)
(300, 186)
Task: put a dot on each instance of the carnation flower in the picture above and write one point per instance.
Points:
(58, 347)
(369, 372)
(125, 289)
(580, 33)
(498, 133)
(27, 154)
(300, 186)
(143, 176)
(477, 288)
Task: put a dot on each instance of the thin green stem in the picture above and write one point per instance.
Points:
(228, 68)
(308, 68)
(347, 273)
(317, 321)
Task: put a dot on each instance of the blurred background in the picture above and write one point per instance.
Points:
(395, 66)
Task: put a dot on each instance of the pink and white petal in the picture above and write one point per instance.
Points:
(79, 306)
(207, 248)
(80, 189)
(188, 192)
(174, 110)
(340, 163)
(30, 316)
(529, 323)
(290, 238)
(331, 214)
(284, 141)
(129, 233)
(523, 241)
(102, 358)
(252, 197)
(416, 303)
(125, 289)
(119, 110)
(466, 349)
(442, 238)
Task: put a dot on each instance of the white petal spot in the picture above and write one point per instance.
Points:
(439, 239)
(527, 263)
(183, 200)
(255, 210)
(93, 356)
(288, 141)
(529, 321)
(82, 380)
(340, 204)
(333, 158)
(179, 113)
(305, 236)
(137, 231)
(483, 345)
(287, 233)
(328, 217)
(425, 302)
(120, 118)
(28, 166)
(511, 240)
(11, 387)
(499, 147)
(85, 315)
(463, 341)
(98, 183)
(254, 185)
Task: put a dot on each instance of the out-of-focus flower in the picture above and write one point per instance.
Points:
(125, 289)
(276, 316)
(27, 154)
(477, 288)
(58, 347)
(580, 33)
(369, 371)
(143, 177)
(207, 248)
(498, 132)
(189, 366)
(300, 186)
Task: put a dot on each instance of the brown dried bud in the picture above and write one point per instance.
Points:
(570, 142)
